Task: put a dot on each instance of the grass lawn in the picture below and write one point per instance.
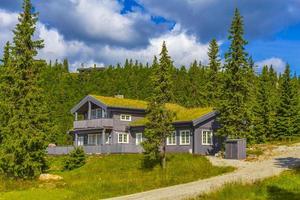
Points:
(108, 176)
(284, 187)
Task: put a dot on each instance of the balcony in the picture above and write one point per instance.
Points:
(94, 123)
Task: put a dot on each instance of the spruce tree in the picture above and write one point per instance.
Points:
(22, 152)
(234, 112)
(288, 109)
(159, 125)
(213, 86)
(264, 108)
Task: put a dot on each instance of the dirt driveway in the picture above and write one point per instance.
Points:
(283, 158)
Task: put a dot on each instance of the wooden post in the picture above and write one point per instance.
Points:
(90, 111)
(76, 116)
(103, 136)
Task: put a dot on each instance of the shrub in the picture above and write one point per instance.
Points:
(75, 159)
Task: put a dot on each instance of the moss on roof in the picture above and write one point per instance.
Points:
(121, 102)
(182, 113)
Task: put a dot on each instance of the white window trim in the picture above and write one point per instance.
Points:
(136, 138)
(181, 142)
(122, 142)
(125, 116)
(211, 135)
(168, 139)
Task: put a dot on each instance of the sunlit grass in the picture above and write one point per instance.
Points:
(112, 175)
(284, 187)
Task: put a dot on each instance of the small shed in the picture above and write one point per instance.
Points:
(235, 149)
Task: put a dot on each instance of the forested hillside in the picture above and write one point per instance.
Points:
(192, 88)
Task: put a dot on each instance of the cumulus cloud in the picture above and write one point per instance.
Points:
(183, 49)
(8, 21)
(212, 18)
(277, 63)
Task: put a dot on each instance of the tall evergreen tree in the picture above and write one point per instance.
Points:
(22, 152)
(213, 87)
(288, 108)
(234, 112)
(264, 108)
(159, 125)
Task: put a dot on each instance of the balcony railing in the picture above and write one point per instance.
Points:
(94, 123)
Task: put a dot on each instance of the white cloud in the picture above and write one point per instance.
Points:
(277, 63)
(8, 21)
(183, 49)
(102, 19)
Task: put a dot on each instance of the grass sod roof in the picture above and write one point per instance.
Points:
(182, 114)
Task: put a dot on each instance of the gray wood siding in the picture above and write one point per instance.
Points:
(199, 148)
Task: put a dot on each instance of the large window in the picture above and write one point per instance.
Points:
(207, 137)
(171, 140)
(93, 139)
(185, 137)
(138, 138)
(124, 117)
(97, 113)
(123, 138)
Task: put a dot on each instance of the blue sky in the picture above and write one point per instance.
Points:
(108, 31)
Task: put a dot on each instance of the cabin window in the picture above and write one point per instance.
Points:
(123, 138)
(185, 137)
(93, 139)
(171, 140)
(138, 138)
(97, 113)
(80, 141)
(125, 117)
(207, 137)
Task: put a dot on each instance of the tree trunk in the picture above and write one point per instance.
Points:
(163, 161)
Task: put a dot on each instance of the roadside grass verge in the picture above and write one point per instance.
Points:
(109, 176)
(283, 187)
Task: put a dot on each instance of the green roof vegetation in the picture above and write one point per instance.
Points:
(121, 102)
(182, 113)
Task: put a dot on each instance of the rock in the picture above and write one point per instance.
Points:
(50, 177)
(51, 145)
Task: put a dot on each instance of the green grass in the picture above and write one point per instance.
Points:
(182, 113)
(108, 176)
(284, 187)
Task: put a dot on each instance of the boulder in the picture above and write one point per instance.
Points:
(50, 177)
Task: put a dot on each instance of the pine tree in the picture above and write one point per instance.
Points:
(264, 109)
(159, 125)
(234, 112)
(213, 87)
(288, 108)
(66, 65)
(22, 152)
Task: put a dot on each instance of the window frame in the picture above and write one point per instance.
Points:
(168, 139)
(189, 136)
(96, 139)
(137, 142)
(125, 117)
(123, 141)
(206, 137)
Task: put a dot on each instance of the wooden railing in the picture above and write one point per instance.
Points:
(94, 123)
